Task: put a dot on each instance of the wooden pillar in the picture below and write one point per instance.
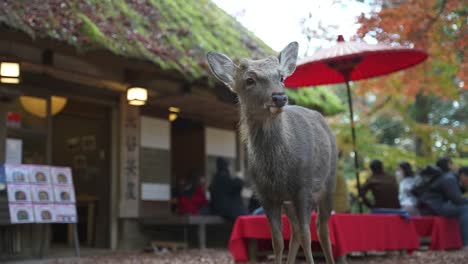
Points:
(114, 192)
(3, 131)
(129, 160)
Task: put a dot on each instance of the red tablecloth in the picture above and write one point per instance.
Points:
(444, 232)
(347, 233)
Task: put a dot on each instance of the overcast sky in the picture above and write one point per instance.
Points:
(278, 22)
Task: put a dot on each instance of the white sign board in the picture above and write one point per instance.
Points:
(155, 192)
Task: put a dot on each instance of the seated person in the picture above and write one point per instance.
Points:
(225, 192)
(446, 165)
(443, 197)
(407, 199)
(383, 187)
(191, 198)
(463, 176)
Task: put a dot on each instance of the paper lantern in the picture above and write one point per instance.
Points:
(137, 96)
(9, 72)
(38, 106)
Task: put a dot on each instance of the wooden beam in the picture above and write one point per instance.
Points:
(74, 77)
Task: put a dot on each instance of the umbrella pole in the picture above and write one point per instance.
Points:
(353, 135)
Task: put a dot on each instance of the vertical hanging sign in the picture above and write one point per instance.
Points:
(129, 168)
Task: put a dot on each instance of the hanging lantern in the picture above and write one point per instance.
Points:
(38, 106)
(9, 72)
(173, 113)
(137, 96)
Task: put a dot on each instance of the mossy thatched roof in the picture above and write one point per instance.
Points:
(319, 98)
(173, 34)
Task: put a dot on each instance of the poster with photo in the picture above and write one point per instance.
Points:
(44, 213)
(21, 213)
(65, 213)
(61, 175)
(19, 193)
(42, 193)
(39, 174)
(64, 194)
(16, 173)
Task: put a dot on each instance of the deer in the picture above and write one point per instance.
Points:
(292, 152)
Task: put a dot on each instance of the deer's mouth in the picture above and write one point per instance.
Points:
(273, 109)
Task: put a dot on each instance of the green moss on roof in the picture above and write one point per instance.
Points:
(174, 34)
(318, 98)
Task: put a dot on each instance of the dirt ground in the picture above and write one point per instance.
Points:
(222, 256)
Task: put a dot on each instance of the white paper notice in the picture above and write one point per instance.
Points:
(65, 213)
(14, 151)
(155, 192)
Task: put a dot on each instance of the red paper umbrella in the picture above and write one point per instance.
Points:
(351, 61)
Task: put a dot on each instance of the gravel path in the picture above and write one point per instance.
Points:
(214, 256)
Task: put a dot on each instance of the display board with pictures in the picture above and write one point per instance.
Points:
(39, 174)
(61, 176)
(45, 213)
(16, 173)
(40, 194)
(19, 193)
(21, 213)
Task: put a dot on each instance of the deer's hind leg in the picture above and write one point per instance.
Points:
(303, 207)
(324, 214)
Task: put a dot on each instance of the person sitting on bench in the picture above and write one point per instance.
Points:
(191, 198)
(383, 187)
(440, 195)
(225, 192)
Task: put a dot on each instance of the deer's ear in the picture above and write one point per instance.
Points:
(288, 58)
(222, 67)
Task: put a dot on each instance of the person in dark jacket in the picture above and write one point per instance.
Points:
(225, 192)
(446, 165)
(443, 197)
(463, 178)
(384, 188)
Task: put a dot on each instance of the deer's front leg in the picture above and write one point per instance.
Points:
(273, 212)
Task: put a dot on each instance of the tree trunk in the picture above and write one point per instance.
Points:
(420, 114)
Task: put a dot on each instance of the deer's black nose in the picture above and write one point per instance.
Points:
(279, 99)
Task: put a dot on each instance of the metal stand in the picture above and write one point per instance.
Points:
(353, 135)
(76, 240)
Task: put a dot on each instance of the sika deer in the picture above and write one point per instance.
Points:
(292, 152)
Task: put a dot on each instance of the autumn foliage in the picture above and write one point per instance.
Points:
(437, 26)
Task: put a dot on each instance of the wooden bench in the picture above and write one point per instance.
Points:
(201, 221)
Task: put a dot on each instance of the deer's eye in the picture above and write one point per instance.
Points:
(250, 81)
